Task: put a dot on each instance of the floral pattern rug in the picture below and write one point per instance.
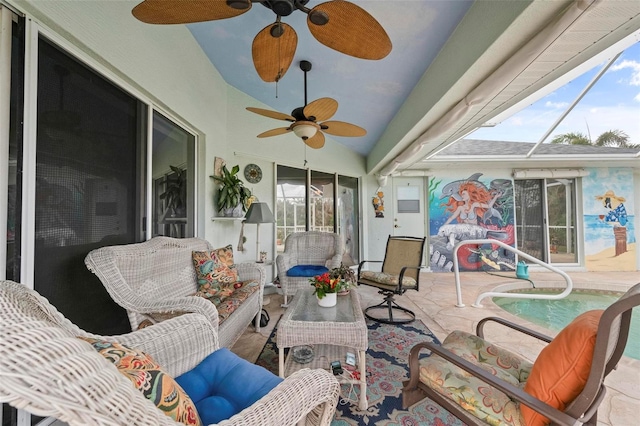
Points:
(387, 367)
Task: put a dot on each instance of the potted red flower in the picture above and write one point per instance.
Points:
(325, 288)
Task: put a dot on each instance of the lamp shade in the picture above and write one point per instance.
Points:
(305, 129)
(259, 213)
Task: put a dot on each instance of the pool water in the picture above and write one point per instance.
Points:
(556, 314)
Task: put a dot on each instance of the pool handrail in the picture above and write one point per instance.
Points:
(520, 254)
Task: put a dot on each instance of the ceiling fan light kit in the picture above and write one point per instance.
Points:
(338, 24)
(305, 129)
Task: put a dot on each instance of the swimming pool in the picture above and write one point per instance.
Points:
(556, 314)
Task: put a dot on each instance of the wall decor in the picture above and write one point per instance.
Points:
(609, 223)
(217, 166)
(469, 208)
(378, 204)
(253, 173)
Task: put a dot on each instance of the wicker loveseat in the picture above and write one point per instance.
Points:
(156, 279)
(47, 370)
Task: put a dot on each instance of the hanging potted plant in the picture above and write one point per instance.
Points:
(232, 196)
(175, 193)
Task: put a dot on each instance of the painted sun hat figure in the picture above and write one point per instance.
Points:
(617, 213)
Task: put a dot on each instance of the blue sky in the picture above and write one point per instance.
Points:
(612, 104)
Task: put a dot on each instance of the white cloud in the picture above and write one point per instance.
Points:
(637, 98)
(556, 105)
(635, 70)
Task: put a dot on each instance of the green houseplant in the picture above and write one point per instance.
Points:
(232, 192)
(345, 276)
(175, 193)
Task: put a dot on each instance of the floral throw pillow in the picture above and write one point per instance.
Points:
(215, 270)
(149, 378)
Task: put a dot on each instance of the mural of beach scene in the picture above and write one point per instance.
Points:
(609, 230)
(473, 207)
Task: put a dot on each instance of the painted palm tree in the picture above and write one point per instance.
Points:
(613, 138)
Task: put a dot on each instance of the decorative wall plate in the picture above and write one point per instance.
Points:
(253, 173)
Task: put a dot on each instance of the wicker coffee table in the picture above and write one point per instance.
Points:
(330, 331)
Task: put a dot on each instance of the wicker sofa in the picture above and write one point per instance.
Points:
(155, 280)
(47, 370)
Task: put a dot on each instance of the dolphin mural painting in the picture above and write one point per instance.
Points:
(452, 189)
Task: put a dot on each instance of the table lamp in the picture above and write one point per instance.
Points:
(258, 213)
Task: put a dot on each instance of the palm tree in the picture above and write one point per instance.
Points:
(571, 139)
(613, 138)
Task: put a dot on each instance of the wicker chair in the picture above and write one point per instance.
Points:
(47, 371)
(400, 272)
(319, 251)
(156, 279)
(481, 383)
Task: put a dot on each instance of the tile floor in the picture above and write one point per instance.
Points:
(434, 304)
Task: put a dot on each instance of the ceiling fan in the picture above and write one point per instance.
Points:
(338, 24)
(304, 120)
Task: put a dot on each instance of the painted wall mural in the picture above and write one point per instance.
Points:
(609, 234)
(472, 208)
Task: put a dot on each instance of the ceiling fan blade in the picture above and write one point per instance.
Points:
(341, 128)
(275, 132)
(316, 141)
(273, 55)
(272, 114)
(321, 109)
(184, 11)
(350, 30)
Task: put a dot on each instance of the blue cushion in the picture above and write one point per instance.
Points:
(307, 270)
(224, 384)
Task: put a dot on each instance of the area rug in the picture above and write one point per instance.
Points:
(387, 356)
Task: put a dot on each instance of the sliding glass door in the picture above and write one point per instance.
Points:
(308, 200)
(89, 167)
(173, 174)
(546, 219)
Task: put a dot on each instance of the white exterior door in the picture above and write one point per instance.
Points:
(409, 207)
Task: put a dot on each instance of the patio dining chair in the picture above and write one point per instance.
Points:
(400, 272)
(50, 367)
(482, 383)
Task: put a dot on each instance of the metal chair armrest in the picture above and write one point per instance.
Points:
(361, 264)
(512, 325)
(401, 278)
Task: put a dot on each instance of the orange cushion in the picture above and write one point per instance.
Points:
(562, 368)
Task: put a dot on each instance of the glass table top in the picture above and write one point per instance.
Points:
(307, 309)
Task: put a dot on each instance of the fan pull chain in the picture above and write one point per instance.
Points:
(305, 155)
